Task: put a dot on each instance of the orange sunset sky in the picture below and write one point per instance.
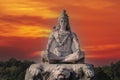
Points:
(26, 24)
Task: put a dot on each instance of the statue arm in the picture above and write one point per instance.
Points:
(76, 42)
(50, 40)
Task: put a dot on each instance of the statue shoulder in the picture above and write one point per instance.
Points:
(73, 34)
(54, 34)
(51, 35)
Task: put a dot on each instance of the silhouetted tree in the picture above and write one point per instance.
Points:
(101, 75)
(15, 70)
(115, 69)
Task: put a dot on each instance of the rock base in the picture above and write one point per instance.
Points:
(44, 71)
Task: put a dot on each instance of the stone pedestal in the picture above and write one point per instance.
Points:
(59, 72)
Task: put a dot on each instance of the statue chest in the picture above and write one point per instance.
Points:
(63, 39)
(66, 47)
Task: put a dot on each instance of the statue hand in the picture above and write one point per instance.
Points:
(57, 52)
(34, 69)
(89, 72)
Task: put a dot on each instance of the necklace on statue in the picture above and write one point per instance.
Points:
(62, 36)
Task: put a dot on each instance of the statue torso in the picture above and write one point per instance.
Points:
(63, 41)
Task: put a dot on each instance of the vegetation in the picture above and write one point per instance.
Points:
(15, 70)
(111, 72)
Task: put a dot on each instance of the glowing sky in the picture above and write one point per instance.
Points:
(26, 24)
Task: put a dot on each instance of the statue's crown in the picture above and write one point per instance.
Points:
(64, 14)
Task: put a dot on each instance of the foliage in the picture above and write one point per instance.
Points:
(111, 72)
(15, 70)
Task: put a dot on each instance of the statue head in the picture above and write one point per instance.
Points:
(63, 21)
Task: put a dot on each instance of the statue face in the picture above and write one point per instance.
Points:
(63, 23)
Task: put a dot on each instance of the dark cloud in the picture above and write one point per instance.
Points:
(26, 20)
(21, 48)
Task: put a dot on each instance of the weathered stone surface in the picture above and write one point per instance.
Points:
(56, 71)
(66, 44)
(65, 60)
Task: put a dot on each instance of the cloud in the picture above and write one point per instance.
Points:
(21, 47)
(99, 58)
(102, 47)
(35, 54)
(48, 9)
(95, 4)
(23, 26)
(24, 31)
(26, 7)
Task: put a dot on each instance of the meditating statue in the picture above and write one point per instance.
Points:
(66, 45)
(65, 60)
